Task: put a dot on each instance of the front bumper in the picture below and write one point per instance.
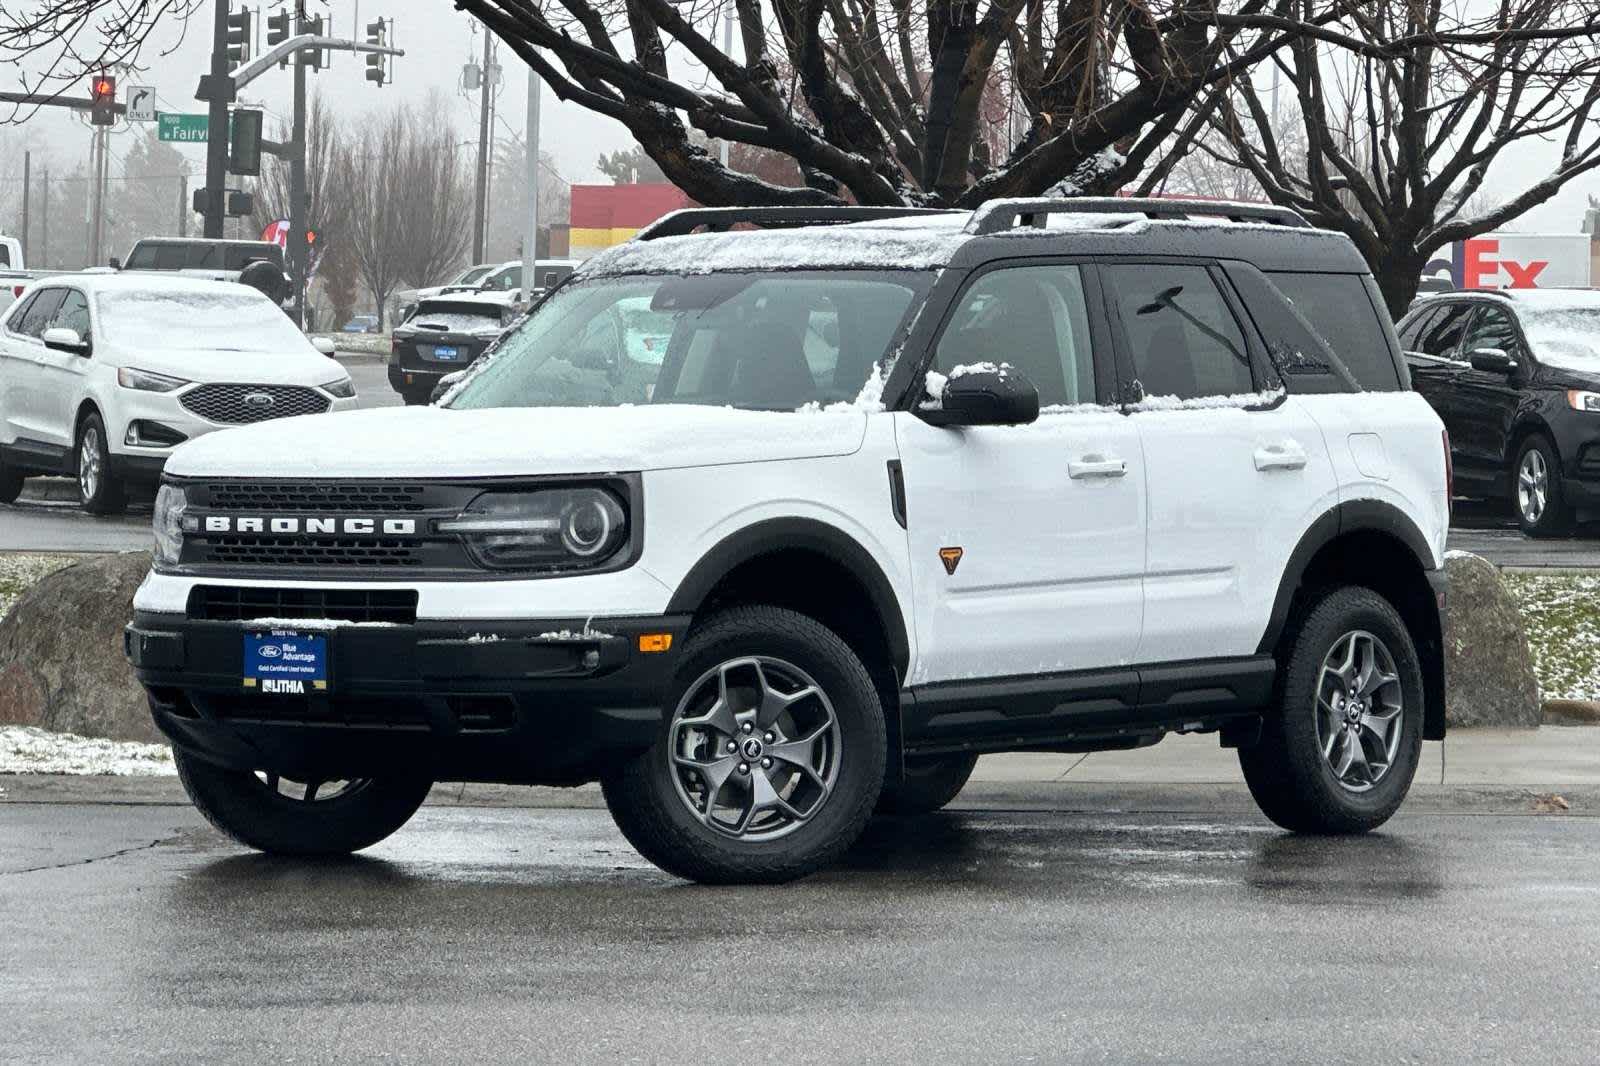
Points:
(145, 462)
(508, 701)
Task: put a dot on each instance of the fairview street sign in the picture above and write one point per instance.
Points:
(187, 128)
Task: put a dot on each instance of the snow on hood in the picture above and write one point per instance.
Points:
(309, 367)
(433, 442)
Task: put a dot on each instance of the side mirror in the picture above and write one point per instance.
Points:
(115, 264)
(444, 385)
(1003, 397)
(65, 340)
(324, 345)
(1492, 360)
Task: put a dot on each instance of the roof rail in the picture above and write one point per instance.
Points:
(718, 219)
(998, 216)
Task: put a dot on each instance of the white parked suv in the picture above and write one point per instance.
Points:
(893, 489)
(103, 375)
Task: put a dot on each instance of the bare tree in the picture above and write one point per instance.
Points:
(409, 202)
(1402, 117)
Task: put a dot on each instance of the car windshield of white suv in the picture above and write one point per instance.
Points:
(767, 342)
(220, 319)
(1564, 336)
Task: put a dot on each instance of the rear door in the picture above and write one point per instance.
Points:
(1234, 474)
(1027, 542)
(26, 404)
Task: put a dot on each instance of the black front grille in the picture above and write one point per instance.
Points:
(238, 405)
(232, 603)
(318, 497)
(251, 550)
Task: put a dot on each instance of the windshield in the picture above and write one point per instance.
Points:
(455, 318)
(1564, 335)
(769, 342)
(224, 319)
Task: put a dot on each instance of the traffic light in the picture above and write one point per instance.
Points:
(244, 142)
(311, 57)
(277, 28)
(239, 35)
(377, 62)
(103, 100)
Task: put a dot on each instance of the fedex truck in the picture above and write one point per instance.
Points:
(1511, 261)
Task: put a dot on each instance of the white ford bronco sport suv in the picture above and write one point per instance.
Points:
(894, 489)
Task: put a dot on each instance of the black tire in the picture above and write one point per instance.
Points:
(99, 492)
(246, 809)
(415, 399)
(1291, 780)
(644, 797)
(927, 784)
(10, 484)
(1554, 519)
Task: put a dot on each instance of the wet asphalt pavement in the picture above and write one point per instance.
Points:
(132, 934)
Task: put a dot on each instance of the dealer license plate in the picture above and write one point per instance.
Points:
(443, 352)
(283, 662)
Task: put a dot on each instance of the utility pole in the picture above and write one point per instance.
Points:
(218, 90)
(183, 205)
(299, 257)
(27, 189)
(530, 240)
(727, 50)
(44, 219)
(100, 198)
(90, 184)
(480, 213)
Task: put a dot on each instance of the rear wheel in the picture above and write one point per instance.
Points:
(98, 491)
(10, 484)
(271, 813)
(1536, 481)
(416, 399)
(1340, 754)
(770, 759)
(927, 784)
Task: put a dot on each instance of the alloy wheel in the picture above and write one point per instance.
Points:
(310, 791)
(754, 748)
(1359, 706)
(1533, 486)
(89, 464)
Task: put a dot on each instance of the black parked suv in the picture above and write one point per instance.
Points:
(1515, 375)
(444, 335)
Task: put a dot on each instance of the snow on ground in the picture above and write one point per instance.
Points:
(1563, 631)
(27, 750)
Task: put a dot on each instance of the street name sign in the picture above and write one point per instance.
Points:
(191, 129)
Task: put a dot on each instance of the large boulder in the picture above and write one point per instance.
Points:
(1488, 668)
(61, 663)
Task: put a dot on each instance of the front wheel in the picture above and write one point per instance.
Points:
(98, 491)
(769, 761)
(1536, 479)
(10, 484)
(280, 816)
(1340, 754)
(416, 399)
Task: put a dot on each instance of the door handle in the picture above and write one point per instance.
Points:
(1096, 466)
(1286, 455)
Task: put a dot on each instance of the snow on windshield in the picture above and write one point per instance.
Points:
(221, 319)
(456, 319)
(1567, 337)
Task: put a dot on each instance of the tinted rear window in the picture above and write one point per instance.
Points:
(1341, 310)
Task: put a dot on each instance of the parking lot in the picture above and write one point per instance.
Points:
(476, 935)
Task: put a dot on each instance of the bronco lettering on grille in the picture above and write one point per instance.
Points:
(385, 527)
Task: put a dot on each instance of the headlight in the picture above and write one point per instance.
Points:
(168, 523)
(145, 381)
(1580, 400)
(343, 389)
(550, 529)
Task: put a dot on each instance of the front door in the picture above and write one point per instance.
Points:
(61, 375)
(1026, 542)
(1486, 400)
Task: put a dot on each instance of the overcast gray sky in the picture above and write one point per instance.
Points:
(439, 40)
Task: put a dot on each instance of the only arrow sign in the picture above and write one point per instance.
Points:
(141, 103)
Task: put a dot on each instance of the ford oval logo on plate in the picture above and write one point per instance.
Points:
(259, 400)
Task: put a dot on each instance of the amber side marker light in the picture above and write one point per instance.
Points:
(653, 642)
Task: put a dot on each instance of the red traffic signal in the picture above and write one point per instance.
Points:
(103, 100)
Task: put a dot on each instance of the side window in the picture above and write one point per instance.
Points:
(1036, 319)
(1492, 328)
(37, 318)
(1411, 335)
(1182, 337)
(5, 255)
(171, 257)
(73, 314)
(1344, 317)
(1443, 333)
(201, 257)
(19, 311)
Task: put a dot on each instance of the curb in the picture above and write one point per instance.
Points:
(1041, 796)
(49, 490)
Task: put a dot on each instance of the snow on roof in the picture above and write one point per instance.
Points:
(496, 299)
(1554, 299)
(886, 244)
(164, 282)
